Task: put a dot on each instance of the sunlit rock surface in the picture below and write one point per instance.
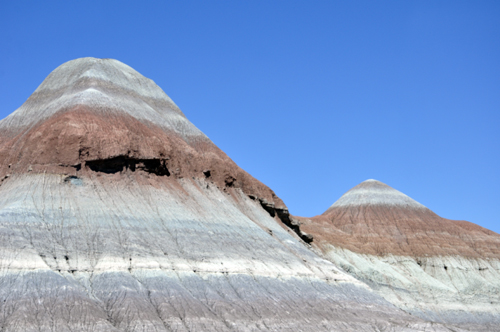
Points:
(441, 270)
(118, 214)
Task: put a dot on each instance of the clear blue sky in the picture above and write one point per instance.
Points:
(310, 97)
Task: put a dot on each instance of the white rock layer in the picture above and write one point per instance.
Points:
(373, 192)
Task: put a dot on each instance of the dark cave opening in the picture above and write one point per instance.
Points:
(121, 163)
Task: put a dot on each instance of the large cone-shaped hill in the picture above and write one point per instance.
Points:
(118, 214)
(439, 269)
(103, 116)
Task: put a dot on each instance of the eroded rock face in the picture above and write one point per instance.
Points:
(118, 214)
(441, 270)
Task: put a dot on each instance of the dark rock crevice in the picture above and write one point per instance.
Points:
(229, 181)
(121, 163)
(2, 179)
(72, 179)
(285, 218)
(269, 207)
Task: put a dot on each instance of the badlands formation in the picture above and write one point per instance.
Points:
(118, 214)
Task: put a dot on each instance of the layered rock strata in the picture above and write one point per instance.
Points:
(118, 214)
(438, 269)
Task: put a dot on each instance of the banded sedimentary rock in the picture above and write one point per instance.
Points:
(118, 214)
(441, 270)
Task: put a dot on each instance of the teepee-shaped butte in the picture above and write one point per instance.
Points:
(438, 269)
(375, 218)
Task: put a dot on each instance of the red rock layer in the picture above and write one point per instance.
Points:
(75, 141)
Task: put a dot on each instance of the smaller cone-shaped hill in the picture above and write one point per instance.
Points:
(439, 269)
(377, 219)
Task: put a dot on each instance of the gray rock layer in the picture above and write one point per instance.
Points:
(88, 255)
(444, 289)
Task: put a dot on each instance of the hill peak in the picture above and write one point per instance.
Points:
(106, 87)
(374, 192)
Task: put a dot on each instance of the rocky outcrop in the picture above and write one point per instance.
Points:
(118, 214)
(284, 216)
(438, 269)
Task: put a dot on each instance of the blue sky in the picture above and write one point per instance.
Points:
(310, 97)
